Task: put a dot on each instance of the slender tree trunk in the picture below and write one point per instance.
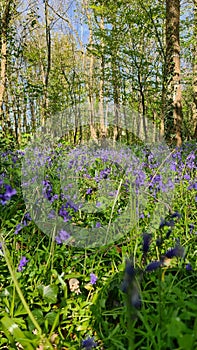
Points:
(101, 87)
(8, 128)
(33, 116)
(5, 20)
(174, 115)
(90, 61)
(194, 106)
(25, 126)
(19, 126)
(46, 71)
(116, 98)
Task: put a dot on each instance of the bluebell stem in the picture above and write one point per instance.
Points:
(130, 286)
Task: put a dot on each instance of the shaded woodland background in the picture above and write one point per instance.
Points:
(80, 58)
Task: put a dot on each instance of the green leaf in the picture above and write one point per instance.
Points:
(176, 327)
(11, 326)
(186, 341)
(49, 293)
(51, 317)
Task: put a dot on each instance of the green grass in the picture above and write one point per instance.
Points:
(38, 307)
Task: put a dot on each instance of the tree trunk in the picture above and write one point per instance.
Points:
(194, 106)
(101, 86)
(46, 70)
(174, 106)
(5, 20)
(90, 61)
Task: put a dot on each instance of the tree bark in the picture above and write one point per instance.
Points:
(194, 105)
(90, 61)
(5, 20)
(173, 122)
(46, 71)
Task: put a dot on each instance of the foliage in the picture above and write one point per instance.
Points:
(59, 295)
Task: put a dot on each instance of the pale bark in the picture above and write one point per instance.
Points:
(48, 66)
(194, 105)
(5, 20)
(173, 66)
(90, 61)
(101, 87)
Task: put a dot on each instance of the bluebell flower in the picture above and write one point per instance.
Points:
(153, 266)
(18, 228)
(6, 196)
(88, 343)
(27, 217)
(54, 198)
(47, 189)
(178, 251)
(51, 215)
(72, 205)
(170, 223)
(168, 233)
(64, 213)
(130, 270)
(93, 278)
(191, 227)
(146, 242)
(164, 223)
(62, 236)
(104, 173)
(192, 186)
(23, 262)
(89, 191)
(188, 267)
(176, 214)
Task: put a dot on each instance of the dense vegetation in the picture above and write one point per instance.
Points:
(98, 175)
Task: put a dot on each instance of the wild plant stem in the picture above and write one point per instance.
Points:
(20, 294)
(130, 327)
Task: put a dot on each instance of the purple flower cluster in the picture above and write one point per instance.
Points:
(87, 172)
(93, 278)
(8, 193)
(47, 190)
(88, 343)
(24, 223)
(177, 251)
(62, 237)
(64, 213)
(23, 262)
